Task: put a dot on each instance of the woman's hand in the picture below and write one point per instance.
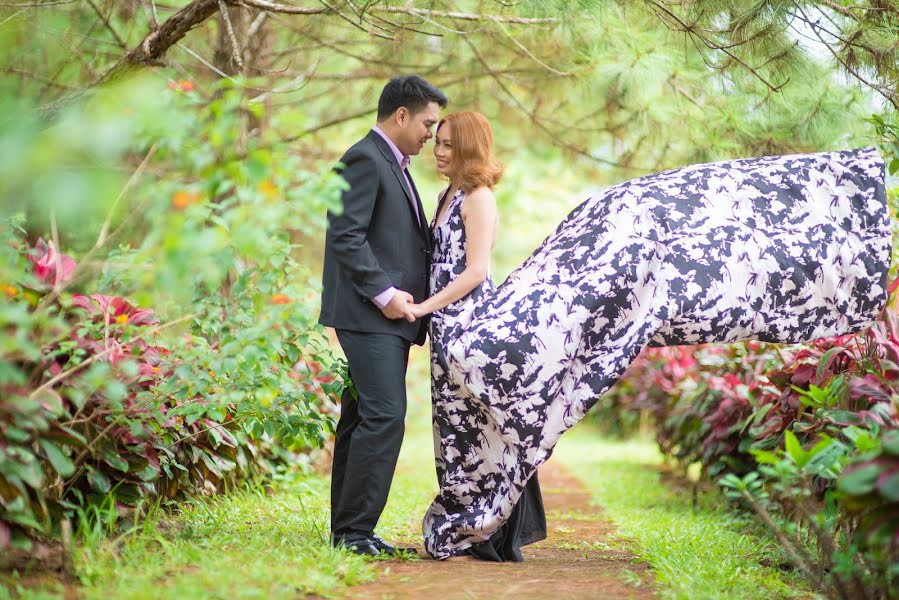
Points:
(417, 312)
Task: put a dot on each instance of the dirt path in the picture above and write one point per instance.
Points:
(581, 558)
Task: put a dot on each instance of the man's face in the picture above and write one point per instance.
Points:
(416, 129)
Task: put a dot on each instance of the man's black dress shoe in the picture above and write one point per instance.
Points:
(387, 548)
(363, 546)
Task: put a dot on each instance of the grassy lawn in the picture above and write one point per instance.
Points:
(247, 544)
(703, 552)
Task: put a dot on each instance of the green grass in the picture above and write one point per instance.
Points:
(241, 545)
(246, 544)
(706, 552)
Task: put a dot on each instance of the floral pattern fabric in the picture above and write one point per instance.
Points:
(781, 249)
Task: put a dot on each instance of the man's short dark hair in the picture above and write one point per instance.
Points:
(410, 91)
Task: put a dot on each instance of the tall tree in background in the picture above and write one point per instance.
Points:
(620, 88)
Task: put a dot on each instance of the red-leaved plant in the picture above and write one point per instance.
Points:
(83, 420)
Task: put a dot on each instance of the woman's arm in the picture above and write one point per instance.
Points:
(479, 215)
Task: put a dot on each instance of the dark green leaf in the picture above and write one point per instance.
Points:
(889, 487)
(60, 461)
(890, 442)
(116, 462)
(859, 481)
(150, 473)
(98, 480)
(16, 435)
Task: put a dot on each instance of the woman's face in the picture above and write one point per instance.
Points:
(443, 150)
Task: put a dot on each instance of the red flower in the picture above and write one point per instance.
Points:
(45, 257)
(184, 85)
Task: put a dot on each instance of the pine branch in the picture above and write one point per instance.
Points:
(535, 119)
(155, 44)
(36, 4)
(36, 77)
(105, 19)
(891, 97)
(530, 54)
(152, 17)
(464, 16)
(284, 8)
(151, 48)
(408, 10)
(333, 46)
(667, 16)
(357, 25)
(840, 9)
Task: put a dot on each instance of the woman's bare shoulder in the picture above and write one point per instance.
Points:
(481, 195)
(479, 203)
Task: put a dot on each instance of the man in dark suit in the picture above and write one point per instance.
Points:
(376, 263)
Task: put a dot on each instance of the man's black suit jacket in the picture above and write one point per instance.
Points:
(376, 242)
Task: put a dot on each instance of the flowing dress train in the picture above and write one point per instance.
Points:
(781, 249)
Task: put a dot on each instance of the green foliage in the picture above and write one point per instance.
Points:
(101, 399)
(793, 435)
(603, 83)
(870, 487)
(886, 127)
(265, 539)
(769, 40)
(265, 544)
(193, 190)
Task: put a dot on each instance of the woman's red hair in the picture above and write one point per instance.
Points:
(472, 142)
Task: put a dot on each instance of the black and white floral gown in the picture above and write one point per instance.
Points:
(454, 434)
(780, 249)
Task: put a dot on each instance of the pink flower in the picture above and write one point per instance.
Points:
(44, 256)
(115, 307)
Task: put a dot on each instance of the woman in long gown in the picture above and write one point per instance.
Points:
(782, 249)
(464, 231)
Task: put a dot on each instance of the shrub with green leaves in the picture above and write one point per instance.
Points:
(180, 353)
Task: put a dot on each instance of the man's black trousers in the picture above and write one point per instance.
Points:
(370, 430)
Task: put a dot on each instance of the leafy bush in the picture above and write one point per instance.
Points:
(803, 436)
(226, 376)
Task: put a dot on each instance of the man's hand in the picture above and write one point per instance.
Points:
(399, 306)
